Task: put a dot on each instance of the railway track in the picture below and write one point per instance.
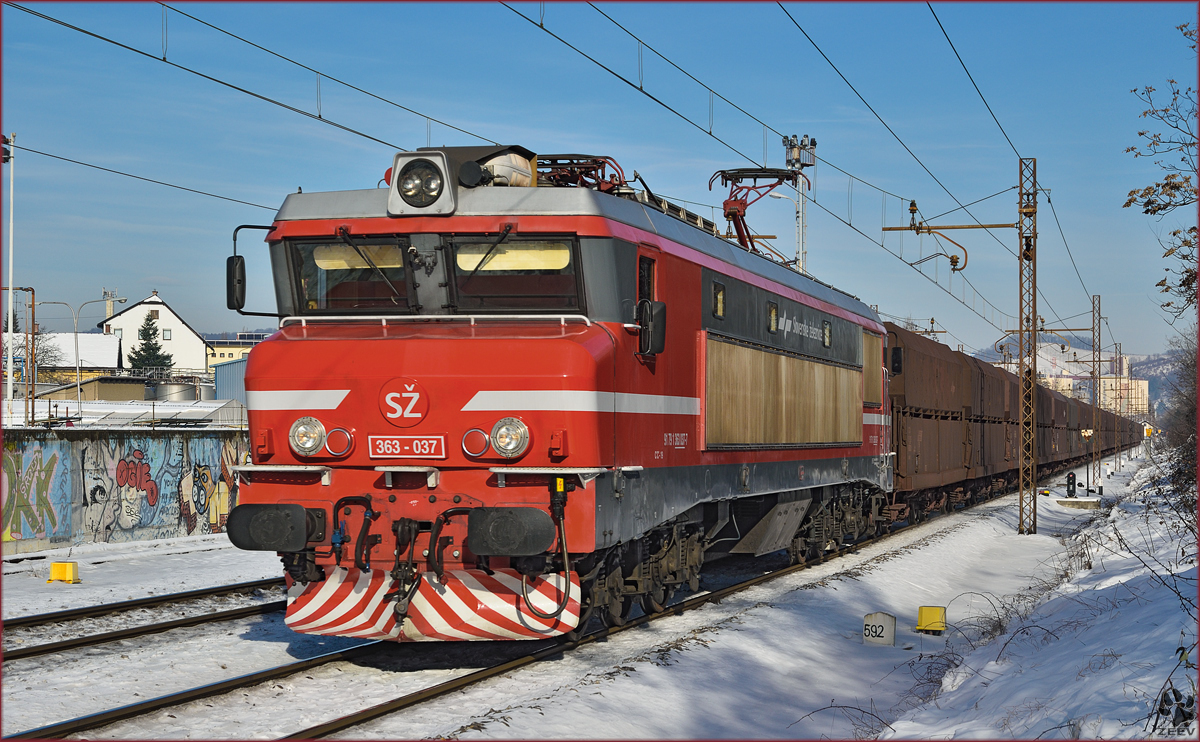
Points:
(88, 640)
(94, 721)
(412, 699)
(100, 719)
(129, 605)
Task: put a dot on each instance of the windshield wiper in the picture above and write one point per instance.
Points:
(503, 236)
(345, 235)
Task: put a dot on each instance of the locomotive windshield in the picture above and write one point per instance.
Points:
(344, 277)
(515, 275)
(436, 274)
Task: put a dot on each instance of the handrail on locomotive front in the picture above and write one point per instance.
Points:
(384, 319)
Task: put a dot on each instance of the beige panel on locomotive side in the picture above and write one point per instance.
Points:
(756, 397)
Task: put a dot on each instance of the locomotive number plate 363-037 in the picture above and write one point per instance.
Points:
(407, 446)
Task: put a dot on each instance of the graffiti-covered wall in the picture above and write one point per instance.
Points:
(63, 487)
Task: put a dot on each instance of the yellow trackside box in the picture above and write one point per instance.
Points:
(67, 572)
(931, 619)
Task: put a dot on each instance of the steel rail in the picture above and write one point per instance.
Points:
(155, 628)
(716, 596)
(449, 686)
(92, 721)
(103, 718)
(129, 605)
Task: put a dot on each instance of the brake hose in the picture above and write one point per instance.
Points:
(558, 502)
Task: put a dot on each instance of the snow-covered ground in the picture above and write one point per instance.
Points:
(1066, 633)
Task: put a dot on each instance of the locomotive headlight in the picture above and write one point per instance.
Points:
(307, 436)
(510, 437)
(420, 183)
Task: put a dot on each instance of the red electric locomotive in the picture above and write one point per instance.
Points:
(509, 391)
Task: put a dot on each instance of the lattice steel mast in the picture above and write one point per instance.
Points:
(1027, 344)
(1096, 393)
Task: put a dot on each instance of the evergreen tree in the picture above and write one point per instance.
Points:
(149, 354)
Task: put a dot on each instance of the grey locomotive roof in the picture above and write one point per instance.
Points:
(372, 203)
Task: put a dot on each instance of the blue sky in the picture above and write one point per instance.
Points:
(1058, 77)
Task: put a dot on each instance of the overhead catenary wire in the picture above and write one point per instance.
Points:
(693, 78)
(966, 348)
(907, 149)
(1069, 255)
(629, 82)
(976, 201)
(972, 79)
(139, 177)
(885, 124)
(641, 89)
(326, 76)
(987, 105)
(218, 81)
(351, 130)
(931, 280)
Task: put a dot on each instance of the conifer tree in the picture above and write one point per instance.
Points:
(149, 354)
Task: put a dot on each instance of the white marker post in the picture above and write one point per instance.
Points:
(879, 628)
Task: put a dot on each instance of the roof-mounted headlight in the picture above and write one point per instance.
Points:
(307, 436)
(420, 183)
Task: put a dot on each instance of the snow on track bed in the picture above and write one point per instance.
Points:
(750, 666)
(24, 636)
(127, 571)
(764, 663)
(286, 706)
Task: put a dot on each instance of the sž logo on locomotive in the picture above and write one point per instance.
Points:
(403, 402)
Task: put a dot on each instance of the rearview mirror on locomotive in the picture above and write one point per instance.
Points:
(235, 282)
(652, 319)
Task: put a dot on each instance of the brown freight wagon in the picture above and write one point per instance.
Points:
(955, 426)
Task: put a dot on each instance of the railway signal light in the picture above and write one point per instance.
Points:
(6, 149)
(1070, 484)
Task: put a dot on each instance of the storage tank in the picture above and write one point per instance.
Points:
(175, 392)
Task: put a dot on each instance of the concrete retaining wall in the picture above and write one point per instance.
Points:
(62, 487)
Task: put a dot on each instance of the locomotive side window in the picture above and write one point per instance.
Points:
(339, 277)
(718, 303)
(645, 278)
(495, 274)
(772, 317)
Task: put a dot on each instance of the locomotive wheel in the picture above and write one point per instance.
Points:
(617, 613)
(655, 601)
(617, 606)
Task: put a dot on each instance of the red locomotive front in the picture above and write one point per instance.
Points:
(477, 422)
